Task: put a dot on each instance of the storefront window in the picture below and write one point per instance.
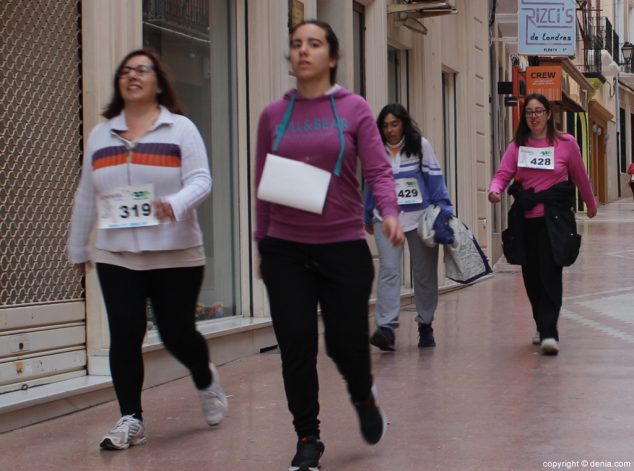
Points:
(450, 134)
(194, 39)
(622, 142)
(631, 142)
(393, 75)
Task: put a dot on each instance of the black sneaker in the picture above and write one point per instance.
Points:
(372, 421)
(426, 336)
(384, 339)
(309, 450)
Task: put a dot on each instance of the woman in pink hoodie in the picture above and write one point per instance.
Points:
(312, 257)
(541, 160)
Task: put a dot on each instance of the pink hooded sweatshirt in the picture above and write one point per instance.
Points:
(312, 135)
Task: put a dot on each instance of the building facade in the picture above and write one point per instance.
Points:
(597, 86)
(228, 59)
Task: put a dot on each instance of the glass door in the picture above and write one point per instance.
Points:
(195, 39)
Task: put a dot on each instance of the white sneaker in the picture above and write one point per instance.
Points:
(213, 399)
(127, 432)
(536, 339)
(549, 346)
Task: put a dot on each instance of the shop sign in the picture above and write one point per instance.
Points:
(547, 28)
(545, 80)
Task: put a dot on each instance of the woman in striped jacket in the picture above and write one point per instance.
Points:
(419, 183)
(145, 172)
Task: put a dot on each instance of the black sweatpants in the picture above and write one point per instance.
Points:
(173, 293)
(338, 277)
(542, 278)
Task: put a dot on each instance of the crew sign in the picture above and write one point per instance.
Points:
(546, 27)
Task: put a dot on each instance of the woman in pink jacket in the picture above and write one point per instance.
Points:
(540, 158)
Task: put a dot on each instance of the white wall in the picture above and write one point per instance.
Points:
(339, 15)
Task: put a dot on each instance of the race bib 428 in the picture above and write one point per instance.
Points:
(541, 158)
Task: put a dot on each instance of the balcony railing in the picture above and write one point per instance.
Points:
(598, 35)
(189, 17)
(611, 40)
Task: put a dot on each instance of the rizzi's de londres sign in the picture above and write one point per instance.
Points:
(546, 27)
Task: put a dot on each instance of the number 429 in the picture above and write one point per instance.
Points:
(409, 193)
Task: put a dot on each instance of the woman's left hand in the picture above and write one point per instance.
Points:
(591, 212)
(163, 210)
(393, 230)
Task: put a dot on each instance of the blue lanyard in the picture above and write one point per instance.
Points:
(287, 117)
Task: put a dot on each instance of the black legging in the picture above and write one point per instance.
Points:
(173, 293)
(338, 277)
(542, 278)
(632, 187)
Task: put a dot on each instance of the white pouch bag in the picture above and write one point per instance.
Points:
(426, 225)
(295, 184)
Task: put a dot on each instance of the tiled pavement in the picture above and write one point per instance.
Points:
(483, 399)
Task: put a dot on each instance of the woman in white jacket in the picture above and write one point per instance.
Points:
(144, 173)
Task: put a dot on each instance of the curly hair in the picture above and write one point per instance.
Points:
(166, 97)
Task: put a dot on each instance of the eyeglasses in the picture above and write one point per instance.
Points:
(140, 70)
(537, 112)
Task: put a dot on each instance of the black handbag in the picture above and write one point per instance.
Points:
(513, 247)
(565, 242)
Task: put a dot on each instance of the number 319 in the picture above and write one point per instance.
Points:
(133, 211)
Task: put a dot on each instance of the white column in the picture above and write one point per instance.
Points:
(109, 31)
(339, 15)
(269, 78)
(376, 54)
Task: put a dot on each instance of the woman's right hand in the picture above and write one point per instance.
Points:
(494, 197)
(393, 230)
(81, 267)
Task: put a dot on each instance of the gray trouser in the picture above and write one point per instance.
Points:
(424, 262)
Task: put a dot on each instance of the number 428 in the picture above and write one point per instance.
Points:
(540, 161)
